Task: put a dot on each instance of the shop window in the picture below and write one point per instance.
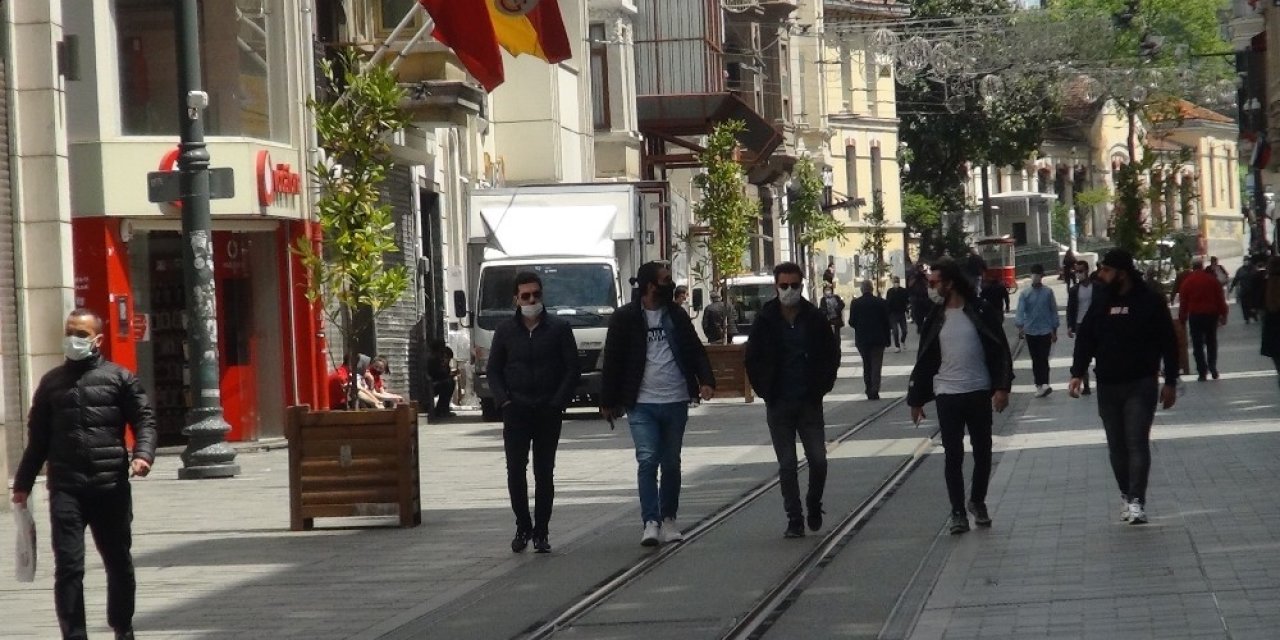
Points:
(242, 55)
(391, 12)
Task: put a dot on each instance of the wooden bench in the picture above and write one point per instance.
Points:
(353, 464)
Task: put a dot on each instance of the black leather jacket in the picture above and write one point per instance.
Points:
(77, 423)
(995, 348)
(533, 368)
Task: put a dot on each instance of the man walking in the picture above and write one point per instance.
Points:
(792, 360)
(869, 317)
(717, 322)
(1129, 333)
(964, 365)
(1241, 285)
(1203, 309)
(653, 366)
(532, 372)
(899, 302)
(994, 293)
(1080, 296)
(833, 310)
(77, 424)
(1037, 322)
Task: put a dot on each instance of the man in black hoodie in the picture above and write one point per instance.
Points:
(792, 359)
(1129, 331)
(532, 372)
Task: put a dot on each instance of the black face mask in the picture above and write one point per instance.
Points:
(665, 292)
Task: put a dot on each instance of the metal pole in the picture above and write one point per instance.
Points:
(207, 454)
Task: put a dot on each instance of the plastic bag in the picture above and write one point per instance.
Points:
(24, 566)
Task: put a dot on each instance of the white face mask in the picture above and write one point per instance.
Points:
(936, 296)
(789, 297)
(532, 310)
(77, 348)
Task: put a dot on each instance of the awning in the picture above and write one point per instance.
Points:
(673, 116)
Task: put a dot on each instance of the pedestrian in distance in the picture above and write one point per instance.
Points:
(682, 295)
(1241, 284)
(833, 310)
(994, 293)
(899, 303)
(974, 267)
(869, 317)
(1218, 271)
(964, 367)
(792, 360)
(654, 366)
(829, 274)
(717, 321)
(1128, 332)
(1202, 310)
(532, 372)
(77, 424)
(1271, 314)
(1080, 296)
(918, 295)
(1037, 323)
(1068, 272)
(441, 379)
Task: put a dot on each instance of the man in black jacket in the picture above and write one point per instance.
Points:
(966, 367)
(869, 317)
(899, 302)
(654, 365)
(77, 424)
(792, 360)
(1080, 295)
(1130, 332)
(532, 372)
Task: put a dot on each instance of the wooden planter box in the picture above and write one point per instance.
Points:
(353, 463)
(729, 364)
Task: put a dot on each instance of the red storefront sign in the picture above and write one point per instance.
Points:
(275, 180)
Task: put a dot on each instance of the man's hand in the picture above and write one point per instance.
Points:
(1168, 395)
(1000, 400)
(141, 467)
(706, 392)
(1074, 387)
(1071, 334)
(917, 414)
(1054, 339)
(1222, 322)
(1021, 334)
(19, 497)
(610, 413)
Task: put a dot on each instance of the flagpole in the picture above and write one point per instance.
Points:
(395, 33)
(426, 28)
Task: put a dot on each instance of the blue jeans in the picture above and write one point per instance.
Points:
(658, 432)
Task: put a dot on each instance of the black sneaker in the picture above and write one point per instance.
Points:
(541, 544)
(520, 542)
(795, 528)
(124, 635)
(959, 523)
(979, 511)
(1214, 373)
(815, 518)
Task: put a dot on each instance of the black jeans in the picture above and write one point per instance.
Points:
(788, 419)
(872, 364)
(108, 514)
(956, 413)
(1203, 328)
(523, 426)
(442, 391)
(1039, 348)
(1127, 410)
(898, 327)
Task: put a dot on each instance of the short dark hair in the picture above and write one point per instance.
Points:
(949, 271)
(1037, 269)
(682, 289)
(787, 267)
(84, 312)
(1082, 263)
(525, 277)
(648, 272)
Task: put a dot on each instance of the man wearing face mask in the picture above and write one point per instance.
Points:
(77, 424)
(654, 364)
(1129, 331)
(869, 317)
(792, 360)
(1037, 322)
(964, 366)
(532, 371)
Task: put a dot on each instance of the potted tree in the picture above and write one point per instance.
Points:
(350, 462)
(810, 225)
(728, 217)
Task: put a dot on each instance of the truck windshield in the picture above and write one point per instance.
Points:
(747, 300)
(584, 295)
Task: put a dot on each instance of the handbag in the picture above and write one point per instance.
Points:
(24, 566)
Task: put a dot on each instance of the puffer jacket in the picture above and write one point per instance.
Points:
(536, 368)
(764, 357)
(77, 422)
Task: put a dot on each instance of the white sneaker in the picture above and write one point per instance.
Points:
(671, 531)
(1124, 508)
(650, 537)
(1043, 390)
(1137, 514)
(897, 349)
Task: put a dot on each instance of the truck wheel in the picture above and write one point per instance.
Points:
(489, 410)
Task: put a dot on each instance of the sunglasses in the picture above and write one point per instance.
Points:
(531, 295)
(789, 285)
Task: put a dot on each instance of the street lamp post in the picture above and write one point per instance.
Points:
(207, 454)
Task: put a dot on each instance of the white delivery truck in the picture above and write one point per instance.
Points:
(582, 241)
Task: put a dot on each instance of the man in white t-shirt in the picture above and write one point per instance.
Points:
(654, 364)
(965, 366)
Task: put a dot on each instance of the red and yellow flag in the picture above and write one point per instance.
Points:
(474, 29)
